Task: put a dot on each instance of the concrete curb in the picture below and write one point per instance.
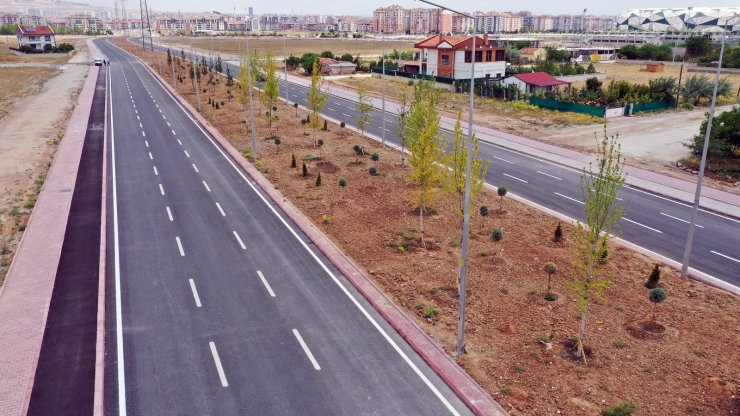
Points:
(452, 374)
(26, 295)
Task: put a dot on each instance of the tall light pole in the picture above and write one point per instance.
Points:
(285, 65)
(196, 75)
(700, 179)
(466, 203)
(382, 80)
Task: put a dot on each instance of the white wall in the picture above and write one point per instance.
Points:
(516, 81)
(462, 68)
(432, 62)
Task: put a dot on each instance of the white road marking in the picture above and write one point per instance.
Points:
(306, 350)
(221, 210)
(331, 109)
(169, 213)
(515, 178)
(678, 219)
(173, 132)
(239, 239)
(143, 134)
(206, 185)
(168, 124)
(137, 117)
(567, 197)
(163, 115)
(155, 171)
(136, 111)
(547, 174)
(146, 143)
(161, 189)
(186, 153)
(503, 160)
(642, 225)
(141, 125)
(179, 142)
(219, 368)
(150, 156)
(196, 168)
(267, 285)
(195, 293)
(179, 246)
(725, 256)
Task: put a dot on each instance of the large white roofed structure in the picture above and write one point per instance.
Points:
(702, 19)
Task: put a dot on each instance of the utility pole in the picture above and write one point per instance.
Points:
(700, 179)
(383, 81)
(285, 66)
(141, 23)
(196, 74)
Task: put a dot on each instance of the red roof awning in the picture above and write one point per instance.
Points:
(540, 79)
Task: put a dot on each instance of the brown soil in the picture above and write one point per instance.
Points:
(692, 369)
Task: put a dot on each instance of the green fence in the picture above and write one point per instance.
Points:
(568, 106)
(652, 106)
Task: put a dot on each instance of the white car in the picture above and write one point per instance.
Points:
(98, 62)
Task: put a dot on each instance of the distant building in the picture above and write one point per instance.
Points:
(534, 82)
(533, 54)
(333, 67)
(450, 56)
(701, 19)
(37, 38)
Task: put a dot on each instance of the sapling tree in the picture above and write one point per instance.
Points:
(292, 161)
(318, 179)
(457, 159)
(243, 90)
(558, 237)
(654, 278)
(502, 190)
(656, 296)
(364, 107)
(403, 111)
(602, 211)
(550, 268)
(316, 97)
(497, 235)
(304, 172)
(271, 88)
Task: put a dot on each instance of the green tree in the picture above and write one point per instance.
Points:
(169, 57)
(513, 55)
(602, 211)
(347, 58)
(457, 161)
(229, 78)
(697, 87)
(559, 55)
(219, 66)
(326, 54)
(593, 84)
(271, 87)
(401, 121)
(724, 140)
(629, 51)
(656, 296)
(697, 46)
(292, 62)
(364, 106)
(243, 86)
(316, 97)
(309, 62)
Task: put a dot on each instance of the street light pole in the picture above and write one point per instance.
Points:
(700, 179)
(285, 66)
(460, 348)
(382, 80)
(195, 74)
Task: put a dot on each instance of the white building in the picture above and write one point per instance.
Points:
(36, 37)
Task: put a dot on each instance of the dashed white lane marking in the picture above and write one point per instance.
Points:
(186, 153)
(678, 219)
(143, 134)
(503, 160)
(135, 111)
(173, 132)
(179, 246)
(267, 285)
(141, 126)
(179, 142)
(137, 117)
(346, 115)
(169, 213)
(221, 210)
(547, 174)
(567, 197)
(331, 109)
(195, 293)
(306, 350)
(642, 225)
(168, 124)
(219, 368)
(725, 256)
(239, 239)
(156, 173)
(163, 115)
(161, 189)
(196, 168)
(150, 156)
(146, 143)
(515, 178)
(207, 187)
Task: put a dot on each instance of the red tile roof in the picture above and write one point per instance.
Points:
(435, 40)
(35, 30)
(540, 79)
(529, 51)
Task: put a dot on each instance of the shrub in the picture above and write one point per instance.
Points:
(303, 121)
(484, 210)
(320, 142)
(558, 233)
(222, 103)
(375, 157)
(341, 124)
(277, 141)
(318, 179)
(325, 219)
(217, 106)
(342, 182)
(29, 203)
(654, 278)
(550, 268)
(295, 105)
(656, 296)
(326, 126)
(292, 161)
(410, 83)
(497, 235)
(308, 118)
(624, 408)
(357, 149)
(373, 171)
(305, 170)
(551, 297)
(431, 311)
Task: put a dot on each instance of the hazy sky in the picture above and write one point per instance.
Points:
(365, 8)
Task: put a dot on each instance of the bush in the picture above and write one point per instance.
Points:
(305, 170)
(357, 149)
(502, 190)
(484, 210)
(654, 278)
(558, 237)
(431, 311)
(341, 124)
(373, 171)
(217, 106)
(295, 105)
(497, 235)
(303, 121)
(342, 182)
(320, 142)
(624, 408)
(551, 297)
(318, 179)
(326, 126)
(277, 141)
(410, 83)
(292, 161)
(375, 157)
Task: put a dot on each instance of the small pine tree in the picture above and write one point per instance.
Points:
(550, 268)
(375, 157)
(326, 126)
(305, 170)
(656, 296)
(292, 161)
(558, 233)
(654, 278)
(497, 235)
(484, 210)
(373, 171)
(502, 190)
(342, 182)
(318, 179)
(308, 118)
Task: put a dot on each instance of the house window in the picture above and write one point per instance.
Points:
(445, 59)
(478, 56)
(467, 56)
(489, 56)
(47, 38)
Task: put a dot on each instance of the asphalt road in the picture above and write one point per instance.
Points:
(217, 303)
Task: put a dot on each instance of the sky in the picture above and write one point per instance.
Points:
(365, 8)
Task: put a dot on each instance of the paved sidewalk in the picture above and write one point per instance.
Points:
(25, 297)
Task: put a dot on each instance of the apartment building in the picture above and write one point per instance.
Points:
(391, 19)
(543, 23)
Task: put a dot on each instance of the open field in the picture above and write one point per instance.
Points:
(6, 56)
(296, 47)
(516, 341)
(18, 83)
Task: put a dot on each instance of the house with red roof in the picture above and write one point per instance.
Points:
(36, 37)
(534, 82)
(451, 56)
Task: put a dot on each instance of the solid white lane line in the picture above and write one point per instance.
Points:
(173, 132)
(682, 204)
(155, 171)
(161, 189)
(306, 350)
(196, 168)
(179, 142)
(179, 246)
(678, 219)
(206, 185)
(169, 213)
(186, 153)
(146, 142)
(515, 178)
(642, 225)
(219, 368)
(267, 285)
(239, 239)
(725, 256)
(547, 174)
(221, 210)
(567, 197)
(195, 293)
(503, 160)
(150, 156)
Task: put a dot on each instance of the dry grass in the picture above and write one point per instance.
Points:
(17, 83)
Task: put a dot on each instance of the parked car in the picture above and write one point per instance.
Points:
(98, 62)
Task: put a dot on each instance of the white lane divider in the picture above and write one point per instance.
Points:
(168, 124)
(547, 174)
(515, 178)
(503, 160)
(725, 256)
(143, 134)
(186, 153)
(179, 142)
(161, 189)
(196, 168)
(179, 246)
(567, 197)
(207, 187)
(306, 350)
(678, 219)
(173, 132)
(219, 367)
(169, 213)
(146, 143)
(195, 293)
(267, 285)
(221, 210)
(150, 156)
(156, 173)
(642, 225)
(141, 125)
(239, 240)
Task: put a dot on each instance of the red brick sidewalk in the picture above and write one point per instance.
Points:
(25, 297)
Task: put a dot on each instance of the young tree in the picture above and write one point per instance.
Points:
(558, 237)
(550, 268)
(501, 191)
(169, 57)
(229, 78)
(316, 97)
(656, 296)
(697, 87)
(457, 161)
(364, 106)
(271, 88)
(602, 211)
(219, 66)
(403, 110)
(243, 90)
(497, 235)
